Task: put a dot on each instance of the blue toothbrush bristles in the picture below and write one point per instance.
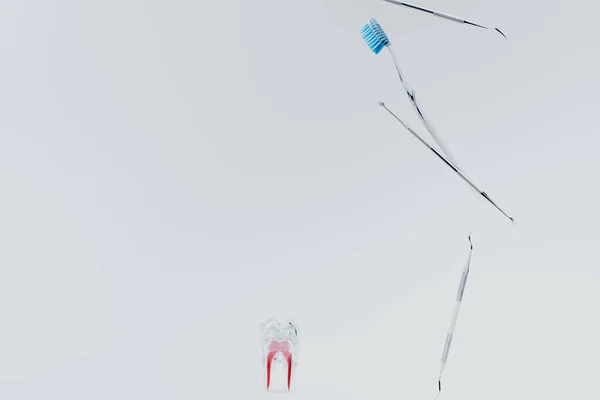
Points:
(374, 36)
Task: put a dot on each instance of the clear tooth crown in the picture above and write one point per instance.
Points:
(272, 329)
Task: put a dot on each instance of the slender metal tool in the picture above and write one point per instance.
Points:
(444, 15)
(450, 334)
(448, 163)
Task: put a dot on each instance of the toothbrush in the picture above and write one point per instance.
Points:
(376, 39)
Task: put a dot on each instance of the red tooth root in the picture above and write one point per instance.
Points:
(270, 357)
(288, 356)
(274, 347)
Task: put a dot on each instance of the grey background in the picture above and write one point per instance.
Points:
(173, 173)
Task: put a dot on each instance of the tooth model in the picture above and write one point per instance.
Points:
(279, 345)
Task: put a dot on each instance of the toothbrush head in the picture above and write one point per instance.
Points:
(374, 36)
